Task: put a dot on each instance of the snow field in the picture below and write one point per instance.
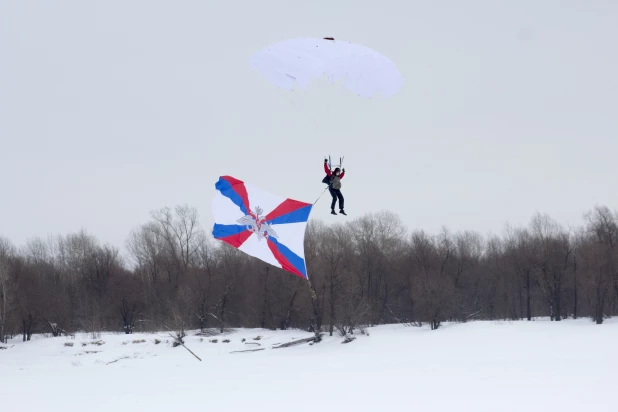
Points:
(478, 366)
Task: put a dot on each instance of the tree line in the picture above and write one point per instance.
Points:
(368, 271)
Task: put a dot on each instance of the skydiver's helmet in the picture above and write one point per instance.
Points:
(337, 171)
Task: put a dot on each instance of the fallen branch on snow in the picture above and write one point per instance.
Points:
(248, 350)
(180, 342)
(296, 342)
(114, 361)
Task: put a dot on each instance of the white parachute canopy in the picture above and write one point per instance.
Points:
(298, 61)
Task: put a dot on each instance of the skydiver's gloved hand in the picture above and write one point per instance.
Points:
(343, 170)
(325, 160)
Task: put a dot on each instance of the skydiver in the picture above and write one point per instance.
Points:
(334, 187)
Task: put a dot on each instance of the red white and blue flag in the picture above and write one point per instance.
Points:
(261, 224)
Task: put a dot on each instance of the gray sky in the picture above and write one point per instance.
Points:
(110, 109)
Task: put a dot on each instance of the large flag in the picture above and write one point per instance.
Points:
(261, 224)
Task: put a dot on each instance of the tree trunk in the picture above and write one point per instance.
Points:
(266, 302)
(222, 313)
(574, 287)
(521, 299)
(558, 302)
(128, 316)
(435, 324)
(27, 327)
(332, 306)
(575, 301)
(528, 305)
(203, 312)
(598, 307)
(286, 323)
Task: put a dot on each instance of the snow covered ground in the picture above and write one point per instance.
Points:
(478, 366)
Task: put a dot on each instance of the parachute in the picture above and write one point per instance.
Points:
(298, 61)
(260, 224)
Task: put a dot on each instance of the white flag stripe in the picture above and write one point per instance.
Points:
(259, 248)
(289, 236)
(260, 198)
(225, 211)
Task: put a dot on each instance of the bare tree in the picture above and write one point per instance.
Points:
(520, 250)
(204, 275)
(8, 286)
(365, 271)
(554, 253)
(433, 288)
(231, 264)
(333, 250)
(29, 289)
(601, 257)
(127, 312)
(315, 268)
(377, 239)
(179, 231)
(147, 250)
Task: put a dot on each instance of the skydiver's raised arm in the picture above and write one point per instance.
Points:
(326, 169)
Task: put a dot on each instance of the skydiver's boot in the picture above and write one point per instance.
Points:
(342, 212)
(332, 212)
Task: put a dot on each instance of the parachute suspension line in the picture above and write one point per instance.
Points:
(316, 200)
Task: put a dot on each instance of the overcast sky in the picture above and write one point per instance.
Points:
(111, 109)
